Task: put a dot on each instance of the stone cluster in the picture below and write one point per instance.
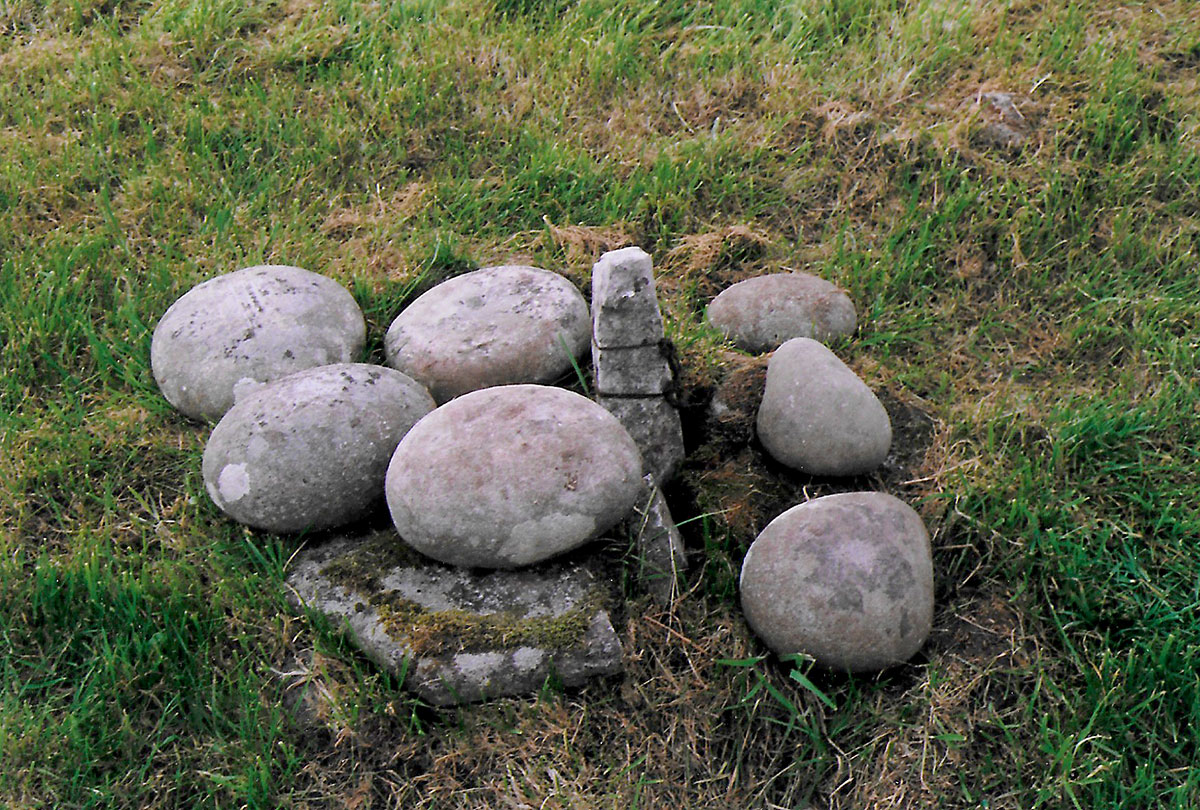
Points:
(498, 482)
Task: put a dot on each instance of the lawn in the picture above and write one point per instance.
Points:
(1009, 191)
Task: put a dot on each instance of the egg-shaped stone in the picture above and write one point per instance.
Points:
(495, 326)
(759, 314)
(846, 579)
(818, 416)
(310, 450)
(512, 475)
(253, 325)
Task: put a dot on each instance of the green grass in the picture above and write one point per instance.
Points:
(1038, 305)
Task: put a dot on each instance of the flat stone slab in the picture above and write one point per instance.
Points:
(459, 635)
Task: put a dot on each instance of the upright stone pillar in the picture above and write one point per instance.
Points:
(633, 375)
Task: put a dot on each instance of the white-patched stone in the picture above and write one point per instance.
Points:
(512, 475)
(846, 579)
(254, 325)
(495, 326)
(759, 314)
(817, 416)
(310, 451)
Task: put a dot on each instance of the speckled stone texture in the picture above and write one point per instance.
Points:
(512, 475)
(254, 325)
(846, 579)
(760, 314)
(310, 451)
(817, 416)
(495, 326)
(458, 635)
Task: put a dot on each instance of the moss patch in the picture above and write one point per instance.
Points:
(441, 632)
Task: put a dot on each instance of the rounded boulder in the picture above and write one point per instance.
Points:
(846, 579)
(495, 326)
(817, 416)
(512, 475)
(759, 314)
(310, 451)
(253, 325)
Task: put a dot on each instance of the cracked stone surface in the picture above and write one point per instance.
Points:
(460, 635)
(654, 424)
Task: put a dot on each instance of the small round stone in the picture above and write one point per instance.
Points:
(495, 326)
(817, 416)
(512, 475)
(759, 314)
(310, 451)
(846, 579)
(253, 325)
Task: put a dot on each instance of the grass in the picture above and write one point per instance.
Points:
(1031, 311)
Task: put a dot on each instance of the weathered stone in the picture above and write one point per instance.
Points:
(846, 579)
(457, 635)
(257, 324)
(512, 475)
(662, 561)
(495, 326)
(632, 371)
(654, 424)
(624, 305)
(817, 416)
(310, 451)
(759, 314)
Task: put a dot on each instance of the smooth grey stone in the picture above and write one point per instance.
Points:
(253, 325)
(817, 416)
(761, 313)
(624, 304)
(512, 475)
(310, 451)
(457, 635)
(632, 371)
(655, 426)
(846, 579)
(495, 326)
(662, 561)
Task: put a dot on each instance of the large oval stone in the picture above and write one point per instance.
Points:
(512, 475)
(310, 451)
(253, 325)
(846, 579)
(495, 326)
(759, 314)
(817, 416)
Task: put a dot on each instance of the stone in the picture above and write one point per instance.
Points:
(624, 304)
(817, 416)
(456, 635)
(661, 557)
(632, 371)
(846, 579)
(253, 325)
(512, 475)
(495, 326)
(759, 314)
(310, 451)
(656, 428)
